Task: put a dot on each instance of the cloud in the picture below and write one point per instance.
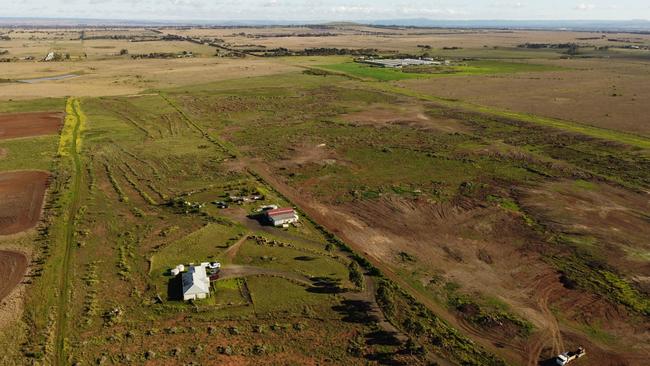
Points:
(508, 4)
(271, 4)
(585, 7)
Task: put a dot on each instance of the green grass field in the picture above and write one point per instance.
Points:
(28, 153)
(34, 105)
(484, 67)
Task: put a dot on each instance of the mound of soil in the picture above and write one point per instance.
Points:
(13, 266)
(14, 125)
(21, 200)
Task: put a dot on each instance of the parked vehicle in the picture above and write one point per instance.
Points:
(566, 357)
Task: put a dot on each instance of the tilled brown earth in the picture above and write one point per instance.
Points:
(13, 125)
(13, 266)
(21, 200)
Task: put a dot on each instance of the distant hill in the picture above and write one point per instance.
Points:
(626, 25)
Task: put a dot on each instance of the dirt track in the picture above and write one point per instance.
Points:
(13, 125)
(21, 199)
(232, 251)
(13, 266)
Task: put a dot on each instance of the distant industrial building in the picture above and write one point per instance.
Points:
(399, 62)
(282, 216)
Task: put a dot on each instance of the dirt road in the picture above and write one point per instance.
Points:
(232, 250)
(13, 266)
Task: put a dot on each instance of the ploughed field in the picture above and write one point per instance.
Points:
(21, 200)
(28, 143)
(14, 125)
(13, 266)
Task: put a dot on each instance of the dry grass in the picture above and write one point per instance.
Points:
(600, 93)
(119, 77)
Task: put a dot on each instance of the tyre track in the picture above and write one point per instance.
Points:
(544, 288)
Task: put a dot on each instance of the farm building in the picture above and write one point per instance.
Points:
(401, 62)
(282, 216)
(196, 283)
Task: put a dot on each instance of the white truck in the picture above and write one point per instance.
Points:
(566, 357)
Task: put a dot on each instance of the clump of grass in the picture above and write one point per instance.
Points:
(91, 304)
(116, 185)
(145, 196)
(602, 281)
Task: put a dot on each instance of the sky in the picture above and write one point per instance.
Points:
(329, 10)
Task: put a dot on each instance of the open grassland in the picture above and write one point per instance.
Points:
(120, 76)
(434, 229)
(123, 223)
(443, 184)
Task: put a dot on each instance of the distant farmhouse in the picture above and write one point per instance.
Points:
(397, 63)
(282, 216)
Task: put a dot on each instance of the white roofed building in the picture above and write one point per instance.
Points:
(282, 216)
(196, 283)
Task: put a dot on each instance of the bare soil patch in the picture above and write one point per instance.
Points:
(21, 200)
(309, 153)
(3, 153)
(14, 125)
(411, 115)
(13, 266)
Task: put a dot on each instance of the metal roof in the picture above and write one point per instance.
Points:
(280, 211)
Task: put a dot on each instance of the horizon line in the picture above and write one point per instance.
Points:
(322, 21)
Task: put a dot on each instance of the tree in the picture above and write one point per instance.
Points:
(355, 275)
(573, 49)
(124, 51)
